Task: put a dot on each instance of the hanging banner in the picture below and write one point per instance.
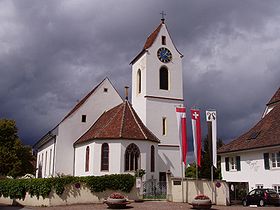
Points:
(211, 116)
(182, 131)
(196, 128)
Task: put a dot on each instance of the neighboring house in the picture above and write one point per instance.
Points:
(253, 159)
(104, 134)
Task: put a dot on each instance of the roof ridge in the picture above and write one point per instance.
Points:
(83, 100)
(122, 122)
(137, 121)
(109, 121)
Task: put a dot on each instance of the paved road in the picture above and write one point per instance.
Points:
(151, 205)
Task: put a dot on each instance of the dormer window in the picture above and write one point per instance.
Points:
(105, 90)
(84, 118)
(163, 40)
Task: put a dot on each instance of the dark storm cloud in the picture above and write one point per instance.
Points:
(53, 53)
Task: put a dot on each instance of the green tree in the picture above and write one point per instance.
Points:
(205, 170)
(15, 158)
(191, 170)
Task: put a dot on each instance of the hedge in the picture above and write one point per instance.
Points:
(17, 188)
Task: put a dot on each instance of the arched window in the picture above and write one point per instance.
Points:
(105, 157)
(152, 158)
(163, 78)
(132, 158)
(87, 159)
(139, 81)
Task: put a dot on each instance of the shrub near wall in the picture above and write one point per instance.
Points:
(17, 188)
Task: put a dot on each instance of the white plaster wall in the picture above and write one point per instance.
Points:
(47, 166)
(169, 159)
(70, 196)
(116, 157)
(156, 110)
(138, 100)
(192, 188)
(252, 170)
(72, 128)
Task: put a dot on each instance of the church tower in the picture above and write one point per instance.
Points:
(157, 88)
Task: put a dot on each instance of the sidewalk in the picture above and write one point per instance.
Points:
(151, 205)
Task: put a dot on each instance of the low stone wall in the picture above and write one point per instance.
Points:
(218, 193)
(71, 195)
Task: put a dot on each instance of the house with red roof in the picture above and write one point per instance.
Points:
(104, 134)
(253, 159)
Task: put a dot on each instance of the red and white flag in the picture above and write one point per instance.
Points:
(182, 129)
(196, 128)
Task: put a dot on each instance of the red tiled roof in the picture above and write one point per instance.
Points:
(120, 122)
(275, 98)
(150, 40)
(265, 133)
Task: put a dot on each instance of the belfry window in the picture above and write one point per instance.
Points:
(132, 158)
(163, 40)
(105, 157)
(139, 81)
(163, 78)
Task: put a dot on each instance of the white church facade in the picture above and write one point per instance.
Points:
(104, 134)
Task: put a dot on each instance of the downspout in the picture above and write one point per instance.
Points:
(74, 160)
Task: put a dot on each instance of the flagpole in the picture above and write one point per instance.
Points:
(183, 181)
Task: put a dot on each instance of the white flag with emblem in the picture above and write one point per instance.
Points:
(211, 116)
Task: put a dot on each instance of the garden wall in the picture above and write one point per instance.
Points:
(71, 195)
(217, 191)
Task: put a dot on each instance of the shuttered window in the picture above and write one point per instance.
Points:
(266, 161)
(227, 163)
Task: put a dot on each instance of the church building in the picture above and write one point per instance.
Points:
(104, 134)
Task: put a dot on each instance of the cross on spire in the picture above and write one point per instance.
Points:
(162, 16)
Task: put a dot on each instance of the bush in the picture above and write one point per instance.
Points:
(17, 188)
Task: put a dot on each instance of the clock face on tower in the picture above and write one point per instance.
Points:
(164, 55)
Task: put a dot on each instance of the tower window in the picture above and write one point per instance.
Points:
(84, 118)
(139, 81)
(104, 157)
(163, 78)
(163, 40)
(164, 127)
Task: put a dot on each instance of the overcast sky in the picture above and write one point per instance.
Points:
(54, 52)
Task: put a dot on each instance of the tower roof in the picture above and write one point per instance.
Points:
(120, 122)
(150, 40)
